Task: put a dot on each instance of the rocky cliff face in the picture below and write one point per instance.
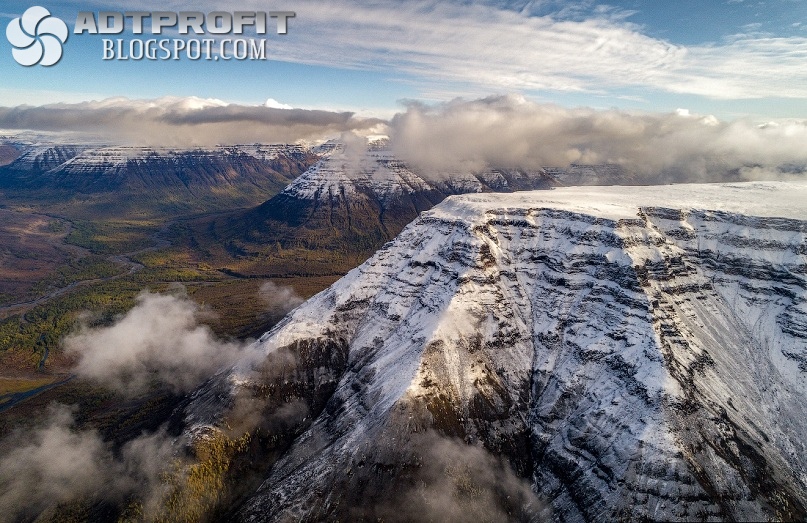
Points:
(41, 158)
(632, 353)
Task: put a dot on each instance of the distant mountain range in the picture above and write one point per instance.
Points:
(201, 179)
(265, 210)
(355, 199)
(296, 209)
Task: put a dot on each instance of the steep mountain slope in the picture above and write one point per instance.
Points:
(346, 197)
(634, 353)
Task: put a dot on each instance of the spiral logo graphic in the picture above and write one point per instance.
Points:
(37, 37)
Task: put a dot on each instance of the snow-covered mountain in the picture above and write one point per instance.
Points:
(56, 159)
(195, 179)
(352, 201)
(41, 158)
(375, 172)
(633, 352)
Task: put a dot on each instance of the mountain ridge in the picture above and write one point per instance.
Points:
(106, 181)
(349, 203)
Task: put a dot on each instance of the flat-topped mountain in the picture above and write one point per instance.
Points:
(632, 353)
(203, 179)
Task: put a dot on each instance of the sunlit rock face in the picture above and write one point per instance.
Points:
(631, 353)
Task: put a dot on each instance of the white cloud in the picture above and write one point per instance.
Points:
(161, 338)
(278, 299)
(509, 131)
(57, 463)
(494, 48)
(271, 102)
(480, 46)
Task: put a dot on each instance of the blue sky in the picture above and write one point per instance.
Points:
(732, 58)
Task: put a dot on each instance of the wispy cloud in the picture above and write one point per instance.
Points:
(547, 45)
(494, 48)
(58, 463)
(161, 338)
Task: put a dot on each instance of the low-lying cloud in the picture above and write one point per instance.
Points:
(58, 463)
(161, 338)
(454, 482)
(510, 132)
(495, 132)
(182, 122)
(278, 299)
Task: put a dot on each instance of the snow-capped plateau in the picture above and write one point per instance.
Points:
(111, 160)
(344, 172)
(633, 352)
(373, 170)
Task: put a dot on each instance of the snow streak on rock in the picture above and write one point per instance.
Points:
(633, 352)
